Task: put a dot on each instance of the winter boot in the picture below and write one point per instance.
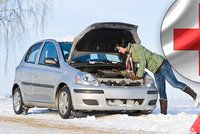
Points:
(191, 92)
(163, 106)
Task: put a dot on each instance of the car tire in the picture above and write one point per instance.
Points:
(18, 106)
(64, 103)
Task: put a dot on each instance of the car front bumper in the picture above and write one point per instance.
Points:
(103, 98)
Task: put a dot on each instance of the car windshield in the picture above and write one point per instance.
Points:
(65, 48)
(87, 57)
(97, 57)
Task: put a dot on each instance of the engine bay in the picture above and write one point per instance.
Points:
(109, 78)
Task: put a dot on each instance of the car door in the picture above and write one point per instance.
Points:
(25, 70)
(46, 76)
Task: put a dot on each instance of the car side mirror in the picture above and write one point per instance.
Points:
(50, 61)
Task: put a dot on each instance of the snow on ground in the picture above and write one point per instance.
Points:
(181, 116)
(14, 128)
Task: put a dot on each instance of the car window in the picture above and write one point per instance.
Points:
(65, 48)
(97, 57)
(32, 53)
(48, 51)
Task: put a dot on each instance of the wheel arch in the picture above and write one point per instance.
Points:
(62, 84)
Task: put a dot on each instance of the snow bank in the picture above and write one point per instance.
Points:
(179, 120)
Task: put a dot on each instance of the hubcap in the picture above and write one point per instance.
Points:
(63, 102)
(17, 101)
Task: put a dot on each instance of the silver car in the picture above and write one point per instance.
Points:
(79, 76)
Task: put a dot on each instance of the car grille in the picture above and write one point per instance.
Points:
(124, 102)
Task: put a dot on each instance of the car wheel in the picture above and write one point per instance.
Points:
(18, 102)
(64, 103)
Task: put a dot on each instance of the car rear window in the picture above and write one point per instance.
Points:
(32, 53)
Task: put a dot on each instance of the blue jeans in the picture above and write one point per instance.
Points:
(165, 72)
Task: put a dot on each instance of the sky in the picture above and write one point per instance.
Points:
(69, 17)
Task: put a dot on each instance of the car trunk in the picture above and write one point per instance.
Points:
(102, 38)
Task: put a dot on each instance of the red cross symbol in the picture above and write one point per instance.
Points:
(188, 39)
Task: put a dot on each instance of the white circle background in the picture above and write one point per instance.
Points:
(182, 14)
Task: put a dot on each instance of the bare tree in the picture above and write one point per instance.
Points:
(16, 18)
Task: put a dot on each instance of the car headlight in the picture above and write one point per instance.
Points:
(148, 80)
(84, 78)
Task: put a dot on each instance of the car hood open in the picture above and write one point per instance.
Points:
(103, 37)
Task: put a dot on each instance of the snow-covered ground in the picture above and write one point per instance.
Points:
(181, 116)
